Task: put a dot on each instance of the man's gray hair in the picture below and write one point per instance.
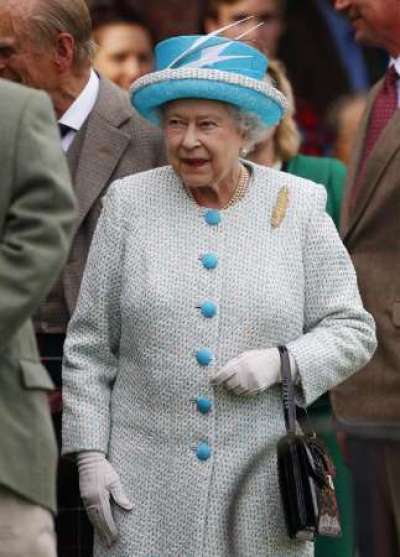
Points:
(47, 18)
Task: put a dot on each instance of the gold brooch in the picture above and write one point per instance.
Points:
(279, 211)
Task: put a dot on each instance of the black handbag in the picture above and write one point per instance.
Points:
(305, 471)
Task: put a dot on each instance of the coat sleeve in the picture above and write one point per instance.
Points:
(91, 352)
(339, 334)
(38, 229)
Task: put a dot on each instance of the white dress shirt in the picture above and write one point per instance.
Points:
(79, 110)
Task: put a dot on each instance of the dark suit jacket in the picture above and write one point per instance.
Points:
(371, 233)
(36, 216)
(114, 142)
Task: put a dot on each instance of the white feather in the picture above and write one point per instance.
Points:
(212, 54)
(249, 31)
(197, 44)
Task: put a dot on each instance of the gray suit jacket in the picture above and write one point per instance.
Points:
(371, 233)
(36, 217)
(114, 142)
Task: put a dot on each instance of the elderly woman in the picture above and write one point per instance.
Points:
(197, 272)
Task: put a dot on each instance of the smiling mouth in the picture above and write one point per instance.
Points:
(195, 163)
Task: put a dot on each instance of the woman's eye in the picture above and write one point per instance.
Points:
(208, 124)
(174, 122)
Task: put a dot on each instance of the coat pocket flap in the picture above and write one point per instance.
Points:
(35, 376)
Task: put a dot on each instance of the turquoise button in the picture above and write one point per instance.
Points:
(204, 405)
(208, 309)
(203, 451)
(204, 356)
(209, 260)
(212, 217)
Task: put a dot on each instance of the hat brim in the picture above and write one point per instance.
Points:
(152, 91)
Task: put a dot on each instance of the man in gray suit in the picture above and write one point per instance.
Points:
(102, 135)
(368, 405)
(104, 139)
(37, 212)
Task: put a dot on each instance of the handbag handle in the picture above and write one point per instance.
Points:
(289, 406)
(291, 410)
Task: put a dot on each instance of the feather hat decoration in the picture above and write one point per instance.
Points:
(207, 53)
(210, 67)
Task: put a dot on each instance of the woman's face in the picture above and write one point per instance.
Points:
(125, 52)
(203, 142)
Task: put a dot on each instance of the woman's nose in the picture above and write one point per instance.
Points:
(190, 139)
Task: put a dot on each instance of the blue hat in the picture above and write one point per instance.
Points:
(208, 67)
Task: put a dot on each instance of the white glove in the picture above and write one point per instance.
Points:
(97, 482)
(251, 372)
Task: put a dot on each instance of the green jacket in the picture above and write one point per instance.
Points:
(331, 173)
(37, 210)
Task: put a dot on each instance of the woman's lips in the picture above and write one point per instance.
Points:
(195, 163)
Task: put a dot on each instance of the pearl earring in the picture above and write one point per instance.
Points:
(243, 152)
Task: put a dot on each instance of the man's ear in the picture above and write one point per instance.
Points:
(210, 25)
(64, 51)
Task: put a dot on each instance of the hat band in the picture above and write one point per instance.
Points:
(210, 75)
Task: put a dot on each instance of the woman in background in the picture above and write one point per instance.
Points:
(280, 149)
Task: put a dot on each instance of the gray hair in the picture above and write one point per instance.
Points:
(249, 125)
(47, 18)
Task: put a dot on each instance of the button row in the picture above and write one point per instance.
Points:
(212, 217)
(209, 261)
(203, 451)
(208, 309)
(204, 356)
(203, 404)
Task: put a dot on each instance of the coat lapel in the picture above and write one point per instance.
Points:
(346, 216)
(380, 157)
(102, 147)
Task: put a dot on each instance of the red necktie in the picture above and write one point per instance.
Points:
(382, 110)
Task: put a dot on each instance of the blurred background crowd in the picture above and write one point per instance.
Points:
(329, 72)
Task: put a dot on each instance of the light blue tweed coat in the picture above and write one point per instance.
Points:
(131, 376)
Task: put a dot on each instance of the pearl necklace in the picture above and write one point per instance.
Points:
(241, 187)
(238, 194)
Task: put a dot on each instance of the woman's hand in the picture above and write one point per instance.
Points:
(98, 481)
(251, 372)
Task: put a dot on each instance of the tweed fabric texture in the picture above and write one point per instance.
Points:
(130, 373)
